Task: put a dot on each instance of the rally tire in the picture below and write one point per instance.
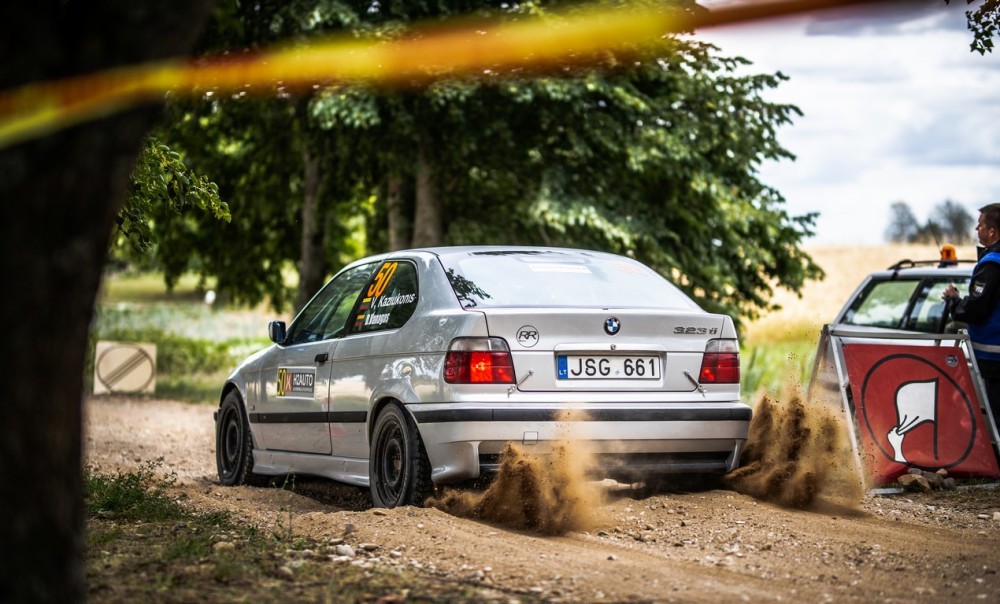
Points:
(399, 471)
(234, 444)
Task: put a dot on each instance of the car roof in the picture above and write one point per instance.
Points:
(460, 250)
(918, 269)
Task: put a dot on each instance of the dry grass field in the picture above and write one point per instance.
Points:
(778, 348)
(845, 266)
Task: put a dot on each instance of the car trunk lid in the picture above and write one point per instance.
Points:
(569, 349)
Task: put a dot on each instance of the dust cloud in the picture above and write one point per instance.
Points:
(549, 493)
(798, 455)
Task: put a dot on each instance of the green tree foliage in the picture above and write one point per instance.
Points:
(654, 158)
(161, 182)
(984, 23)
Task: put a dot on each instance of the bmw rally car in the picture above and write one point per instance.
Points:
(416, 368)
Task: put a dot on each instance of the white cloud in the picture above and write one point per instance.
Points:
(895, 108)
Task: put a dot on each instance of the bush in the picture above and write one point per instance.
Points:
(136, 495)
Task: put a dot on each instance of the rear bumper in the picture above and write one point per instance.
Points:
(465, 440)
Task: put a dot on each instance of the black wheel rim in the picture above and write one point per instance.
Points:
(391, 462)
(230, 441)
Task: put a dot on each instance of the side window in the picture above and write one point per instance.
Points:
(389, 300)
(883, 304)
(929, 306)
(326, 315)
(927, 309)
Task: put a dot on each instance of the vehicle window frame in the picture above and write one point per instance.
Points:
(323, 317)
(919, 294)
(354, 329)
(471, 293)
(920, 298)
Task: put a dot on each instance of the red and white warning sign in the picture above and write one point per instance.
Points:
(916, 407)
(124, 367)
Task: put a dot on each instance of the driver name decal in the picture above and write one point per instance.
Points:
(377, 306)
(291, 381)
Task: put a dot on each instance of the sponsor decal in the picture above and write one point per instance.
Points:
(291, 381)
(612, 326)
(527, 336)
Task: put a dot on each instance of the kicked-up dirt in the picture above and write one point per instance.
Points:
(791, 526)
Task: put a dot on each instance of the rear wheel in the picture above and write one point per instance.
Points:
(399, 470)
(233, 443)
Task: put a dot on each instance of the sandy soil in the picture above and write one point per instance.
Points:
(633, 544)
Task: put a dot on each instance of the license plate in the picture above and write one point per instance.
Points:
(588, 367)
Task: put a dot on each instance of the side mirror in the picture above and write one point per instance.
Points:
(276, 331)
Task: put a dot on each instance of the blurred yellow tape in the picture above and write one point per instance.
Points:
(535, 44)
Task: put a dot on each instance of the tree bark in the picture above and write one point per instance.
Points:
(312, 254)
(427, 216)
(59, 196)
(395, 203)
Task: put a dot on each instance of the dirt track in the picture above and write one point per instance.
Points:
(702, 546)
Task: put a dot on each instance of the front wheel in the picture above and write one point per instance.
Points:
(233, 443)
(399, 471)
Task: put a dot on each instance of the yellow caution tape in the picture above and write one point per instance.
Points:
(535, 44)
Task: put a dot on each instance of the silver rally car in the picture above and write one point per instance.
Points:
(416, 368)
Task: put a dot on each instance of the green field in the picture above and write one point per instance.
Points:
(197, 344)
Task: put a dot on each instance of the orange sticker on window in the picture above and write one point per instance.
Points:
(382, 279)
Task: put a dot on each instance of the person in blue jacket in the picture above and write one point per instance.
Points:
(981, 308)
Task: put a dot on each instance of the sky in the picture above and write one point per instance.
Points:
(896, 108)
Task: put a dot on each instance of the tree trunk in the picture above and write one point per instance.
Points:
(427, 216)
(60, 194)
(312, 254)
(395, 203)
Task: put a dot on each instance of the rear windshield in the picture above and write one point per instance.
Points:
(545, 279)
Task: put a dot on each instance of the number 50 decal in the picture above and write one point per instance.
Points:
(382, 279)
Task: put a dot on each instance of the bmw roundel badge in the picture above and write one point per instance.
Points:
(612, 326)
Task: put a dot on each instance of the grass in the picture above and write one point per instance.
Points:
(136, 495)
(768, 368)
(148, 287)
(197, 345)
(143, 545)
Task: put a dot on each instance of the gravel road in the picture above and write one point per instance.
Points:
(668, 545)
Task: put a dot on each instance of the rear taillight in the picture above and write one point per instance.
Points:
(478, 361)
(721, 363)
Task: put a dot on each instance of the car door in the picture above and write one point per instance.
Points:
(371, 353)
(295, 375)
